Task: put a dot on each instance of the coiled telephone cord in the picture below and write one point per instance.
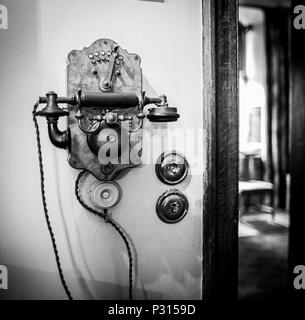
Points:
(100, 214)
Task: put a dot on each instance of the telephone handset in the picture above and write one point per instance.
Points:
(105, 113)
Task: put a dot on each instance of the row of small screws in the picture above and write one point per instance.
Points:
(103, 54)
(117, 72)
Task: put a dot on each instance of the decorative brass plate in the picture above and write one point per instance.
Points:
(104, 67)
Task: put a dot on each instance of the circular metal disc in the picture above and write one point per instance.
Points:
(105, 194)
(171, 167)
(163, 114)
(172, 206)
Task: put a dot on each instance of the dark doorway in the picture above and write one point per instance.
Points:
(263, 151)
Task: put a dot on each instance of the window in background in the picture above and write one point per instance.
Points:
(252, 82)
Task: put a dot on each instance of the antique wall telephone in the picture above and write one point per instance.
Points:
(105, 113)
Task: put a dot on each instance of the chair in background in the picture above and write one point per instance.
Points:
(253, 192)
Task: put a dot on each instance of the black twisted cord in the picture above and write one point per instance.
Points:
(44, 202)
(114, 225)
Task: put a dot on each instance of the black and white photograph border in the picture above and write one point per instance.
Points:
(152, 150)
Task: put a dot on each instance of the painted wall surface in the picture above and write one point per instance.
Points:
(33, 51)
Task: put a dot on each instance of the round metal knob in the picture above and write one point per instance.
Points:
(172, 206)
(171, 167)
(106, 84)
(111, 117)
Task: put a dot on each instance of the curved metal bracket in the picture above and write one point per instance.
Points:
(60, 139)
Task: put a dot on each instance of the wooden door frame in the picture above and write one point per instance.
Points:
(220, 180)
(296, 252)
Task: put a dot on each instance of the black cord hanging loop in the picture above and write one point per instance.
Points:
(108, 219)
(44, 203)
(104, 215)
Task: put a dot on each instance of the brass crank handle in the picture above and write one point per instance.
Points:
(106, 84)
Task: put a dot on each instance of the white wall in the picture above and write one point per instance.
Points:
(33, 52)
